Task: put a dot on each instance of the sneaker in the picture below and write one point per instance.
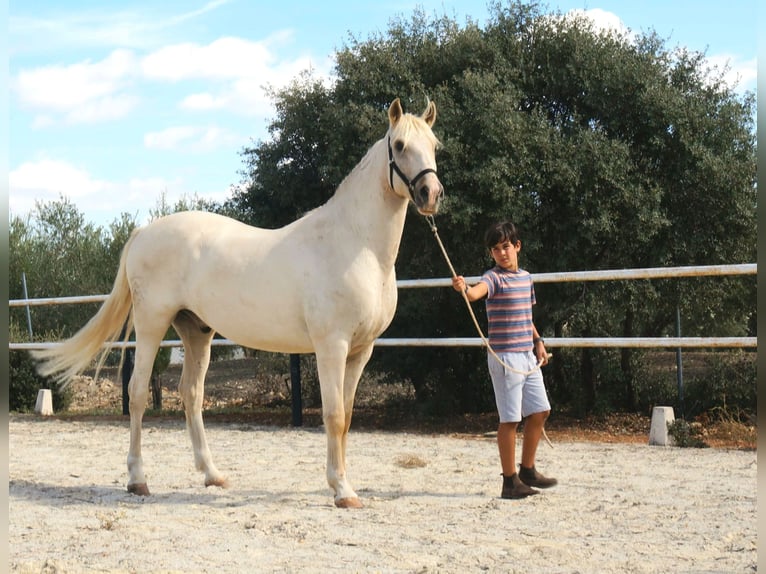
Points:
(531, 477)
(513, 487)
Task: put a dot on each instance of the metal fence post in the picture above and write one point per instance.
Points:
(295, 388)
(679, 364)
(127, 372)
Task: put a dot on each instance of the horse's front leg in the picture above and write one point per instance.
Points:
(354, 366)
(331, 365)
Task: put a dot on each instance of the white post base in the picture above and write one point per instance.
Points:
(658, 434)
(44, 404)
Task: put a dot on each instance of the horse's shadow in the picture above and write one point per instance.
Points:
(73, 495)
(105, 496)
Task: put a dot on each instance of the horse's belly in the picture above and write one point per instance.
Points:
(274, 321)
(270, 325)
(268, 337)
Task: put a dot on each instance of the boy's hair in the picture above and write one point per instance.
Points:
(500, 232)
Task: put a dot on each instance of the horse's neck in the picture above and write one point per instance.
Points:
(369, 207)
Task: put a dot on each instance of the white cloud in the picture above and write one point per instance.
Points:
(103, 109)
(192, 138)
(102, 201)
(202, 101)
(63, 87)
(83, 92)
(169, 138)
(98, 28)
(602, 20)
(224, 58)
(48, 179)
(52, 177)
(241, 72)
(740, 75)
(237, 71)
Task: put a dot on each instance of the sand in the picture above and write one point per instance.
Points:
(431, 504)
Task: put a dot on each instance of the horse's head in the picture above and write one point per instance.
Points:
(412, 157)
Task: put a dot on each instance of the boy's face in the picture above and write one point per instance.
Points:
(506, 254)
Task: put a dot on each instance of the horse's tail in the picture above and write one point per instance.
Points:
(74, 355)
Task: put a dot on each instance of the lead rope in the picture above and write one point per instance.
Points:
(432, 225)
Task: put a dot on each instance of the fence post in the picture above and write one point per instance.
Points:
(679, 364)
(127, 372)
(295, 389)
(26, 296)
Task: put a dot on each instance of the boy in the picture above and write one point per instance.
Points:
(512, 335)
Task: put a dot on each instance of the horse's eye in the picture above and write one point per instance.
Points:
(399, 145)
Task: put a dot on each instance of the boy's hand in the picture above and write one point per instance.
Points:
(540, 352)
(458, 283)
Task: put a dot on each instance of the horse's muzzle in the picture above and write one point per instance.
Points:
(428, 195)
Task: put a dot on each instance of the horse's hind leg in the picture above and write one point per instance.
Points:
(196, 337)
(147, 342)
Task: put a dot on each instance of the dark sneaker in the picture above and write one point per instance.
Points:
(531, 477)
(513, 487)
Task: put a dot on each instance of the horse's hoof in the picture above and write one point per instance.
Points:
(222, 482)
(348, 502)
(139, 489)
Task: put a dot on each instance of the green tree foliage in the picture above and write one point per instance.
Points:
(608, 151)
(62, 255)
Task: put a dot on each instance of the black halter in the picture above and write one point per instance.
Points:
(392, 167)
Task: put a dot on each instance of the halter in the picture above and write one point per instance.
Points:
(392, 167)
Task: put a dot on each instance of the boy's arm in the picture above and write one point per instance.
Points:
(473, 293)
(539, 345)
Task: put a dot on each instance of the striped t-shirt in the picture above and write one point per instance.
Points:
(509, 309)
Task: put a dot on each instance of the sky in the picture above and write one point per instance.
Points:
(114, 104)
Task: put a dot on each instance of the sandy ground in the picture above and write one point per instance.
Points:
(431, 505)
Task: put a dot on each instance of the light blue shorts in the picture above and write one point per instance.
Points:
(516, 395)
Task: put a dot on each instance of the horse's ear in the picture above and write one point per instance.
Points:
(429, 116)
(395, 112)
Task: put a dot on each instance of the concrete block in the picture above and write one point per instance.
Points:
(44, 404)
(658, 433)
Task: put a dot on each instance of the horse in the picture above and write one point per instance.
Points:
(323, 284)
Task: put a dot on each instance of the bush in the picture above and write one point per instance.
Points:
(686, 435)
(729, 382)
(24, 382)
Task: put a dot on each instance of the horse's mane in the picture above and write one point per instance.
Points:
(408, 125)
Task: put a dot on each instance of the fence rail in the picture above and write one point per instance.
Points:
(552, 342)
(602, 275)
(676, 343)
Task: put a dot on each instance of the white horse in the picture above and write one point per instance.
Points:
(324, 284)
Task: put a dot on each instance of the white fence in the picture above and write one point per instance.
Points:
(552, 342)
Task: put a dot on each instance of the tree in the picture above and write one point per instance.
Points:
(608, 152)
(63, 255)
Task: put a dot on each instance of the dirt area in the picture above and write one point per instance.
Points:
(431, 505)
(430, 486)
(235, 391)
